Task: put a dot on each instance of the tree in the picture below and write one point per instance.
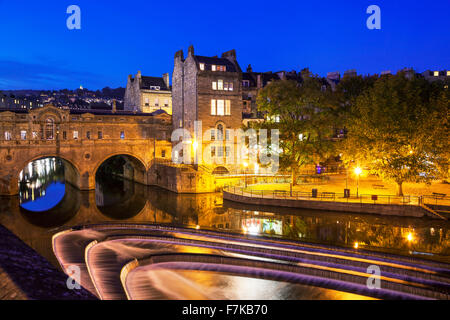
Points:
(303, 119)
(399, 129)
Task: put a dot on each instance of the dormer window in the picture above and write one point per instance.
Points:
(245, 83)
(202, 66)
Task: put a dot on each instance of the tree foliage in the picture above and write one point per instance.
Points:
(399, 130)
(304, 120)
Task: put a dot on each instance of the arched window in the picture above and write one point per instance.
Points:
(49, 129)
(220, 132)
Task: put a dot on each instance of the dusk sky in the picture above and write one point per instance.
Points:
(118, 38)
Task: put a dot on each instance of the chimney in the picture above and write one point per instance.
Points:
(166, 80)
(139, 75)
(179, 55)
(259, 81)
(191, 50)
(114, 108)
(249, 68)
(230, 55)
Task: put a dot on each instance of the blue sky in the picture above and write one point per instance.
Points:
(37, 51)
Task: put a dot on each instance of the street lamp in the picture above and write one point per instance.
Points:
(358, 172)
(245, 173)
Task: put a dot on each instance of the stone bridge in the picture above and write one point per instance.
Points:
(84, 141)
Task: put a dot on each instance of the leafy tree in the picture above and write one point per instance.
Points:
(303, 119)
(399, 130)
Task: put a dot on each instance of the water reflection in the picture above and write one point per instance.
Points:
(41, 185)
(125, 201)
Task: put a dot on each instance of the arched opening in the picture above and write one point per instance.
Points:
(42, 183)
(120, 186)
(221, 171)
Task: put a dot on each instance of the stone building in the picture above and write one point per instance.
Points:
(148, 94)
(208, 89)
(442, 75)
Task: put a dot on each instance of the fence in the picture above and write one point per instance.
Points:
(331, 196)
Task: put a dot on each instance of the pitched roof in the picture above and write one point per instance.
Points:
(148, 82)
(216, 61)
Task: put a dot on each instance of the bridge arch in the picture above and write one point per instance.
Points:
(134, 167)
(71, 171)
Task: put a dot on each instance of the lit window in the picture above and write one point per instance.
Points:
(228, 107)
(213, 151)
(213, 134)
(225, 86)
(35, 135)
(23, 135)
(448, 73)
(202, 66)
(220, 151)
(436, 73)
(214, 85)
(213, 67)
(7, 135)
(75, 135)
(156, 102)
(220, 107)
(147, 101)
(227, 134)
(230, 86)
(49, 129)
(227, 152)
(220, 85)
(213, 107)
(122, 135)
(166, 102)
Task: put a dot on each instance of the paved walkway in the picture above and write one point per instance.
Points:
(24, 274)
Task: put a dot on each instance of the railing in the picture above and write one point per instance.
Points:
(325, 196)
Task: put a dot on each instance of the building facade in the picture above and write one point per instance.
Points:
(148, 94)
(208, 89)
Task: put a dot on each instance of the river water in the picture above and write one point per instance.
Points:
(46, 204)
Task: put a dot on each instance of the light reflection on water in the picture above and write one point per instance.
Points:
(126, 201)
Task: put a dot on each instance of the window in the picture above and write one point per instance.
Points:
(23, 135)
(213, 151)
(166, 102)
(225, 86)
(202, 66)
(49, 129)
(227, 152)
(436, 73)
(35, 135)
(122, 135)
(214, 85)
(163, 153)
(147, 102)
(88, 135)
(230, 86)
(75, 135)
(220, 85)
(448, 73)
(227, 135)
(100, 135)
(7, 135)
(220, 151)
(156, 102)
(213, 67)
(213, 134)
(228, 107)
(213, 107)
(221, 68)
(245, 83)
(64, 135)
(220, 108)
(220, 132)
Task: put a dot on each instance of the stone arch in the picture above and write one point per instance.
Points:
(137, 170)
(220, 170)
(71, 171)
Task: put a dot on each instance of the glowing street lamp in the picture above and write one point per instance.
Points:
(358, 172)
